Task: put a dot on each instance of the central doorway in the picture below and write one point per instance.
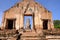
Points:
(30, 19)
(10, 23)
(45, 24)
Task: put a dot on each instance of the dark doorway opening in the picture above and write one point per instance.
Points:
(0, 39)
(10, 23)
(45, 24)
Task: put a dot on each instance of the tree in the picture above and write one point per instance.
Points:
(57, 23)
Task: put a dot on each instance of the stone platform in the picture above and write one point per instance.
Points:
(31, 35)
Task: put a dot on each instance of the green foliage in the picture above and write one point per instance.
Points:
(57, 23)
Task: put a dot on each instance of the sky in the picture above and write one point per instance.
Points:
(51, 5)
(30, 18)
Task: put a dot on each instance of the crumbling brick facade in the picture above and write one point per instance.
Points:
(28, 8)
(13, 19)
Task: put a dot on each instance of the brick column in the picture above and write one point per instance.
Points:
(49, 24)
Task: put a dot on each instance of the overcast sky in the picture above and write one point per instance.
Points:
(51, 5)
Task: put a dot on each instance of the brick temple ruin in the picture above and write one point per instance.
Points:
(13, 27)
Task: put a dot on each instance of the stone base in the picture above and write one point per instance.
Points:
(28, 30)
(31, 36)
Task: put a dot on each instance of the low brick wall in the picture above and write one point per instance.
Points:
(53, 37)
(33, 38)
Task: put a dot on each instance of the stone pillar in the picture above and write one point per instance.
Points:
(13, 24)
(4, 24)
(33, 23)
(17, 22)
(49, 24)
(41, 24)
(21, 21)
(38, 23)
(52, 25)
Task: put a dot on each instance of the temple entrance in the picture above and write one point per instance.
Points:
(10, 23)
(28, 22)
(0, 39)
(45, 24)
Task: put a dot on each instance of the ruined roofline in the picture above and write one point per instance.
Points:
(47, 10)
(11, 7)
(27, 0)
(40, 6)
(14, 5)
